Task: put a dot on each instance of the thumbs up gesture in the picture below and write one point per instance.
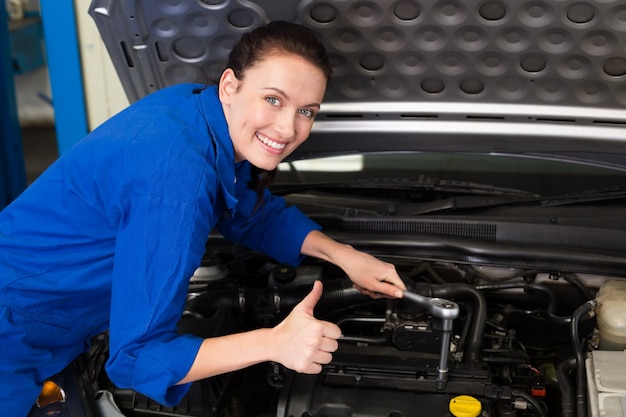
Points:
(302, 342)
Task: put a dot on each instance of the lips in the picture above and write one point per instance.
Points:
(270, 143)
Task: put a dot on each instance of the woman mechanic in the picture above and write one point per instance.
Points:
(108, 236)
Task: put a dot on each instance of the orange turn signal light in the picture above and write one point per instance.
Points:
(50, 393)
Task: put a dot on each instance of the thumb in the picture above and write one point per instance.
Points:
(308, 303)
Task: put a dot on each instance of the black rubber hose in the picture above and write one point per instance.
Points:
(533, 287)
(567, 391)
(581, 383)
(207, 304)
(337, 294)
(574, 280)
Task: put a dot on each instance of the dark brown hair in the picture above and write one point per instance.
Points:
(275, 38)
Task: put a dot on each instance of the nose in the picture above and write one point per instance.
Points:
(285, 125)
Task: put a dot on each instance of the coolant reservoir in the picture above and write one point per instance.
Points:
(611, 315)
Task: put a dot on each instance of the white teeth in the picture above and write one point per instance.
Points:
(270, 143)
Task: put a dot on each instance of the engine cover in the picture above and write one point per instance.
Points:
(382, 381)
(308, 395)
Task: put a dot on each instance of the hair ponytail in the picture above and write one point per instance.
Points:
(259, 180)
(278, 37)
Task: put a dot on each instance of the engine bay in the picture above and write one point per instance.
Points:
(467, 339)
(511, 244)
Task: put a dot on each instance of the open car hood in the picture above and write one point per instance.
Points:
(516, 298)
(536, 78)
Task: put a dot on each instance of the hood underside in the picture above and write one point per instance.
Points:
(537, 78)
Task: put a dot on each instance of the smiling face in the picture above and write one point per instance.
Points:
(270, 110)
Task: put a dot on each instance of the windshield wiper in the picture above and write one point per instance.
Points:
(470, 203)
(588, 196)
(465, 195)
(421, 183)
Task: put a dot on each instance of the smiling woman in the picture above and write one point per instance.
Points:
(113, 231)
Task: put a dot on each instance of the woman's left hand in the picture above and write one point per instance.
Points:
(370, 275)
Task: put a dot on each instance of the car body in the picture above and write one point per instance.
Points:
(478, 145)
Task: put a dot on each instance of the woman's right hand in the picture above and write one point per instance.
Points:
(302, 342)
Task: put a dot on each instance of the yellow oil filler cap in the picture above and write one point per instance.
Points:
(465, 406)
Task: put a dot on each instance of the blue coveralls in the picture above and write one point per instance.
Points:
(109, 235)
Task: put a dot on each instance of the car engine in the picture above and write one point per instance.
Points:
(466, 340)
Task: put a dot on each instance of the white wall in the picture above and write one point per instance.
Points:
(104, 95)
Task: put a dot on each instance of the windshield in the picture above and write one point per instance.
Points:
(538, 176)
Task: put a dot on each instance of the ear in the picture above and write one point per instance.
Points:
(228, 86)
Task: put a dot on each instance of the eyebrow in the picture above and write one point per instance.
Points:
(281, 92)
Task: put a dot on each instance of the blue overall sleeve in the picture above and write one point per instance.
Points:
(271, 227)
(146, 353)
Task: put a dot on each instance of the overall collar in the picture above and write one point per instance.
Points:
(222, 144)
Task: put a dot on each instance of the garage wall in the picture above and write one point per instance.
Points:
(104, 95)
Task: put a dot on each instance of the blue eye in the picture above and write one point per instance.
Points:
(307, 113)
(272, 100)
